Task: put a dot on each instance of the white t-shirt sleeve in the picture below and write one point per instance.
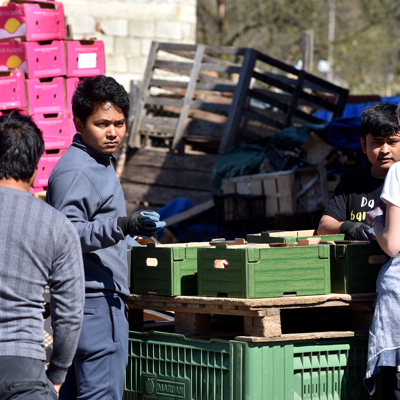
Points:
(391, 187)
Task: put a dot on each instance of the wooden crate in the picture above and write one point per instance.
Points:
(224, 94)
(289, 237)
(355, 267)
(286, 192)
(168, 270)
(254, 271)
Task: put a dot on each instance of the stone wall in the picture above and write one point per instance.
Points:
(127, 28)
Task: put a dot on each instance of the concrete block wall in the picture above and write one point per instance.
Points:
(127, 28)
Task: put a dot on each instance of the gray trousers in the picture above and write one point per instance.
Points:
(23, 378)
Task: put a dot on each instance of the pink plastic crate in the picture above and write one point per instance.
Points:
(36, 59)
(45, 96)
(8, 112)
(85, 58)
(39, 20)
(12, 90)
(55, 129)
(46, 164)
(70, 85)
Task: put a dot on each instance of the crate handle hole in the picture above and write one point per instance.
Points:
(289, 294)
(221, 264)
(151, 262)
(152, 291)
(37, 60)
(222, 294)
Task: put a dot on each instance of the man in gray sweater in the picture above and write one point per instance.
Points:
(83, 185)
(38, 247)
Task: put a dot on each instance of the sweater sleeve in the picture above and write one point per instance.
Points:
(74, 195)
(67, 290)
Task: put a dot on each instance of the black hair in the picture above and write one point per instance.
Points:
(378, 120)
(90, 93)
(21, 146)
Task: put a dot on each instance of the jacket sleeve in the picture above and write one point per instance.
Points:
(74, 195)
(67, 288)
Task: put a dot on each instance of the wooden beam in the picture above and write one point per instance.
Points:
(239, 99)
(188, 97)
(134, 138)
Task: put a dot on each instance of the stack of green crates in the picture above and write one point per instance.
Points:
(167, 270)
(166, 366)
(289, 237)
(259, 271)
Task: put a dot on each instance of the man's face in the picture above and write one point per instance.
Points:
(104, 129)
(382, 152)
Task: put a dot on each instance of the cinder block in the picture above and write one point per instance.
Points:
(82, 24)
(137, 65)
(128, 46)
(168, 30)
(108, 41)
(115, 27)
(145, 46)
(144, 11)
(188, 32)
(123, 79)
(116, 63)
(142, 29)
(76, 7)
(187, 13)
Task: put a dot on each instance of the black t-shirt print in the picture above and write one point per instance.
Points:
(355, 195)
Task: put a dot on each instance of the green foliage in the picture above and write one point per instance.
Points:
(366, 45)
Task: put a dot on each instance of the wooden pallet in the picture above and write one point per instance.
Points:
(158, 176)
(263, 319)
(218, 94)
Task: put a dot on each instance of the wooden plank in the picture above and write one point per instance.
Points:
(205, 106)
(188, 97)
(171, 160)
(199, 114)
(164, 101)
(201, 95)
(221, 68)
(160, 196)
(302, 336)
(176, 46)
(218, 87)
(144, 92)
(177, 178)
(259, 116)
(225, 50)
(343, 95)
(184, 215)
(168, 83)
(230, 131)
(269, 100)
(173, 65)
(271, 79)
(204, 129)
(207, 59)
(295, 97)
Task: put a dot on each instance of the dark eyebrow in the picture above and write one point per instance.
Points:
(108, 120)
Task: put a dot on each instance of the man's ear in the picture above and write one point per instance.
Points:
(78, 125)
(32, 180)
(363, 145)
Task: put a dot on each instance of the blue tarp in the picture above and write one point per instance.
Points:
(344, 133)
(354, 110)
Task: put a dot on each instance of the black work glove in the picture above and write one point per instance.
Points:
(141, 223)
(354, 230)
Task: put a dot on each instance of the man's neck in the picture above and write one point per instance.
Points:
(13, 184)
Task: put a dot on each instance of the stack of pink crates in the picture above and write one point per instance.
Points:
(39, 70)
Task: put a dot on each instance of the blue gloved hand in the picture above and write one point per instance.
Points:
(141, 223)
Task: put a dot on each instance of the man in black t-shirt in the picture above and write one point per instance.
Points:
(360, 189)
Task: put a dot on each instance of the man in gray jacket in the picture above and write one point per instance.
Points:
(38, 247)
(84, 186)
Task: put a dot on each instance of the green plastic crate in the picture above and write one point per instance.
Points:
(169, 366)
(288, 237)
(355, 267)
(255, 272)
(167, 270)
